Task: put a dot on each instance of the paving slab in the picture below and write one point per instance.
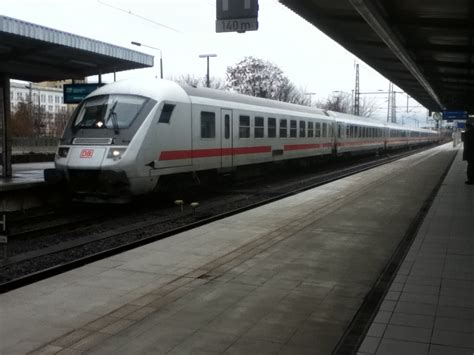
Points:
(434, 313)
(286, 277)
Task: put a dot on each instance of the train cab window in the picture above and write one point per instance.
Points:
(109, 111)
(244, 127)
(272, 129)
(293, 128)
(302, 129)
(259, 127)
(283, 129)
(166, 113)
(208, 124)
(317, 130)
(310, 129)
(325, 130)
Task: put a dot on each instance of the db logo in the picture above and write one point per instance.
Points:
(86, 153)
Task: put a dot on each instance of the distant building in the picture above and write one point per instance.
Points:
(46, 100)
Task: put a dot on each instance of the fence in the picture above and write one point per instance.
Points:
(34, 145)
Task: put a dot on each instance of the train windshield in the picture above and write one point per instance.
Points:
(108, 111)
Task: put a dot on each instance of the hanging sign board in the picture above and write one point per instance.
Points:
(236, 15)
(75, 93)
(455, 115)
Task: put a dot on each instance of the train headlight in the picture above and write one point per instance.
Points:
(62, 152)
(116, 153)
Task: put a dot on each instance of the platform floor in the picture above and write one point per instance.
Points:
(24, 176)
(429, 308)
(285, 278)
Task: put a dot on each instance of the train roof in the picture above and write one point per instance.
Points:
(154, 88)
(250, 100)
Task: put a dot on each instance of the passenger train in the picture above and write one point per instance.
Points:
(127, 135)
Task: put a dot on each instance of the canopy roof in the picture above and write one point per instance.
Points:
(424, 47)
(36, 53)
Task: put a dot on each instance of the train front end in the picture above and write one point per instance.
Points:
(97, 155)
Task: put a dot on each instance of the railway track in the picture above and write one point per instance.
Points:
(63, 244)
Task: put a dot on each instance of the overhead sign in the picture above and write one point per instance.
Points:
(455, 115)
(236, 15)
(75, 93)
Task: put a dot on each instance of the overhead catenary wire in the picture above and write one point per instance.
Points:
(140, 17)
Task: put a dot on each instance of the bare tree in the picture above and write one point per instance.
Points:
(191, 80)
(28, 120)
(22, 124)
(260, 78)
(367, 107)
(338, 102)
(60, 121)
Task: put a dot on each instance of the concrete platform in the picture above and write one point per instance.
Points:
(285, 278)
(26, 188)
(25, 176)
(429, 308)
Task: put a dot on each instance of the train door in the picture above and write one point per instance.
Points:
(226, 141)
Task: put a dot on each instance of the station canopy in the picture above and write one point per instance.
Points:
(425, 47)
(35, 53)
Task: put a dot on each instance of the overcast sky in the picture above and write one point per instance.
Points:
(309, 58)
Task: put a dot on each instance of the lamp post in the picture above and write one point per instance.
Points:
(208, 83)
(158, 49)
(310, 97)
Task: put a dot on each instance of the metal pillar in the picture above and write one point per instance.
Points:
(394, 106)
(5, 120)
(389, 103)
(208, 80)
(357, 93)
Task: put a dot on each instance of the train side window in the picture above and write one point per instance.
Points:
(325, 129)
(244, 127)
(351, 131)
(302, 129)
(293, 128)
(226, 126)
(259, 127)
(330, 130)
(310, 129)
(318, 130)
(208, 124)
(166, 113)
(283, 128)
(339, 130)
(272, 128)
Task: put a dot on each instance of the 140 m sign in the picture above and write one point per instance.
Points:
(237, 25)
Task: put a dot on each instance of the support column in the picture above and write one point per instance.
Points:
(5, 121)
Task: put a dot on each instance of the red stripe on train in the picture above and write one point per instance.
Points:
(212, 152)
(300, 146)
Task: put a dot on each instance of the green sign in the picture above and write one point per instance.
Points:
(75, 93)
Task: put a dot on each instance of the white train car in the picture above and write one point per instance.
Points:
(124, 136)
(357, 134)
